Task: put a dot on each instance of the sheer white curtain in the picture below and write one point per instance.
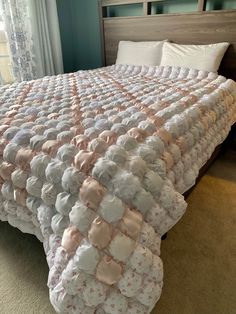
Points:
(34, 38)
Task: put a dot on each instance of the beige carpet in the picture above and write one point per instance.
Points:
(199, 256)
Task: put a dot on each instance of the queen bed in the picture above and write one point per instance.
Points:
(94, 163)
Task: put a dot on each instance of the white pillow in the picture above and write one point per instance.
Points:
(200, 57)
(139, 53)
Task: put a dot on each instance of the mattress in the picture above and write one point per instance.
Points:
(94, 163)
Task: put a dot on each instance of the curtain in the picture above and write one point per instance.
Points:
(16, 19)
(34, 39)
(46, 36)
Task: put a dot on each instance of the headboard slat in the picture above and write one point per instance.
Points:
(108, 3)
(187, 28)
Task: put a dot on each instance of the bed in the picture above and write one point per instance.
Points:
(94, 163)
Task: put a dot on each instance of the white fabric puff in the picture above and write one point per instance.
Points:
(143, 201)
(141, 259)
(115, 303)
(73, 280)
(125, 185)
(19, 178)
(10, 151)
(10, 207)
(104, 171)
(59, 224)
(87, 257)
(34, 186)
(149, 294)
(49, 193)
(45, 214)
(7, 191)
(37, 141)
(33, 203)
(136, 308)
(156, 271)
(94, 292)
(64, 203)
(66, 153)
(149, 238)
(153, 182)
(137, 166)
(98, 145)
(116, 154)
(156, 144)
(121, 247)
(130, 283)
(127, 142)
(81, 216)
(54, 171)
(39, 164)
(111, 208)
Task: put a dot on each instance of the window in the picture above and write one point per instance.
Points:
(6, 75)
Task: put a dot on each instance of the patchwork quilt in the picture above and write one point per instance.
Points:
(94, 164)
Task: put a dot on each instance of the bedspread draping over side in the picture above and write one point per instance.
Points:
(94, 164)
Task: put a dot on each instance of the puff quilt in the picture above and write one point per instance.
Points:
(94, 164)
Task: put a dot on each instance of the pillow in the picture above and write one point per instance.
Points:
(139, 53)
(200, 57)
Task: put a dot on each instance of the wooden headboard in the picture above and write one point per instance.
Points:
(201, 27)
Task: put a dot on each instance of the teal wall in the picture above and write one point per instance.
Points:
(67, 40)
(80, 31)
(221, 4)
(80, 34)
(125, 10)
(170, 6)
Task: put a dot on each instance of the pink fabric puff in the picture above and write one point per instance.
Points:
(98, 145)
(80, 141)
(6, 121)
(71, 239)
(3, 128)
(109, 271)
(164, 135)
(76, 130)
(20, 196)
(85, 160)
(1, 182)
(23, 158)
(131, 223)
(181, 142)
(100, 233)
(6, 170)
(51, 147)
(158, 121)
(109, 137)
(39, 129)
(91, 193)
(167, 157)
(3, 144)
(53, 115)
(138, 134)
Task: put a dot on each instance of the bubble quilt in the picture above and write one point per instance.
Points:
(94, 163)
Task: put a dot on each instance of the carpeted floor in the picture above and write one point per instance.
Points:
(199, 255)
